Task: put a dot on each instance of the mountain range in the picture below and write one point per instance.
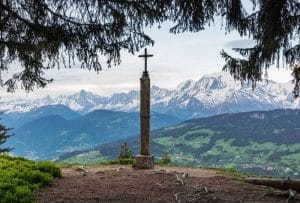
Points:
(263, 142)
(215, 132)
(50, 131)
(211, 95)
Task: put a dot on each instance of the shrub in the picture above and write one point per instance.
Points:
(48, 167)
(126, 161)
(165, 158)
(20, 178)
(125, 152)
(119, 161)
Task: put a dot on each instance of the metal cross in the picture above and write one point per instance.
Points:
(146, 56)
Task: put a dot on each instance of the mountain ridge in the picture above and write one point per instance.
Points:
(49, 131)
(17, 119)
(210, 95)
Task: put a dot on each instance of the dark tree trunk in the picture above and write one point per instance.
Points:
(283, 184)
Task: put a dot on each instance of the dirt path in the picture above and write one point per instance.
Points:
(122, 184)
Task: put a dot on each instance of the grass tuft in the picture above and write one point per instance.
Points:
(21, 178)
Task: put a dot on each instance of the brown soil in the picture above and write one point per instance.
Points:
(122, 184)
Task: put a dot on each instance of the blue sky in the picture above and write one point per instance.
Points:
(176, 58)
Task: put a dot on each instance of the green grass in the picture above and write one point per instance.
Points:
(128, 161)
(231, 173)
(21, 178)
(194, 143)
(226, 154)
(86, 158)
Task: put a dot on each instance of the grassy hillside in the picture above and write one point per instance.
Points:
(261, 142)
(20, 178)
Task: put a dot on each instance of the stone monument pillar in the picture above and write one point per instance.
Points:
(145, 160)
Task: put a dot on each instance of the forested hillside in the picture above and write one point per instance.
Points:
(261, 142)
(47, 132)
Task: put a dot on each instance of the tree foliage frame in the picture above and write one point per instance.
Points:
(43, 34)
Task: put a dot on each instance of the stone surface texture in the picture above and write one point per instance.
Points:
(144, 162)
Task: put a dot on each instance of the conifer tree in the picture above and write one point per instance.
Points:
(165, 158)
(3, 137)
(43, 34)
(125, 152)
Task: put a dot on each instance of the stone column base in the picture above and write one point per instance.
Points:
(144, 162)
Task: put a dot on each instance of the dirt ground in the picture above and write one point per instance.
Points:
(122, 184)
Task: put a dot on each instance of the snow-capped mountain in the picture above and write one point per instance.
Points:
(212, 94)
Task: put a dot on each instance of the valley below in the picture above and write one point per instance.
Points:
(51, 131)
(264, 143)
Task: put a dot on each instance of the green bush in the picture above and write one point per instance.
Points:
(20, 194)
(125, 155)
(20, 178)
(126, 161)
(165, 158)
(48, 167)
(125, 152)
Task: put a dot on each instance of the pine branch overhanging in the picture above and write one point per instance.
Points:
(43, 34)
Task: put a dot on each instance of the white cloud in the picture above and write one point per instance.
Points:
(176, 58)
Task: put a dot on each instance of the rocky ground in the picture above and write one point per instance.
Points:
(163, 184)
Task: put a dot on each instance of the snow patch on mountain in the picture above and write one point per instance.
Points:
(210, 95)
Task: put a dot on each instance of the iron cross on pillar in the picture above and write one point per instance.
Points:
(145, 160)
(146, 56)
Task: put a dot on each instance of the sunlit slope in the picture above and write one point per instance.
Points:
(260, 142)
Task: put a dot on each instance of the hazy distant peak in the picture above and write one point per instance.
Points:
(211, 94)
(185, 85)
(83, 93)
(224, 75)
